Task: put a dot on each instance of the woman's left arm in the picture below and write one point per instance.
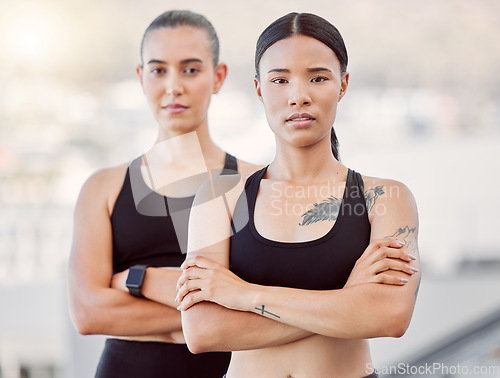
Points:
(364, 310)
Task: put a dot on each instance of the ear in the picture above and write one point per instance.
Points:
(138, 70)
(220, 76)
(256, 82)
(343, 85)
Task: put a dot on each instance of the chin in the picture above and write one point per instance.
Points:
(182, 127)
(304, 140)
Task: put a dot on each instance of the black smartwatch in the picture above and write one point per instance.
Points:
(135, 280)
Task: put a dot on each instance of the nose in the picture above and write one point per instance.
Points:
(174, 85)
(299, 95)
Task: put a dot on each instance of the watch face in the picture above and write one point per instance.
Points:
(135, 277)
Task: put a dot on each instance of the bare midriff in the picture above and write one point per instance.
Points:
(315, 356)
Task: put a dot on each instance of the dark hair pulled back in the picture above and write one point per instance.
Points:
(176, 18)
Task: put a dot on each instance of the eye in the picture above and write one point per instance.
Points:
(319, 79)
(279, 80)
(191, 70)
(158, 71)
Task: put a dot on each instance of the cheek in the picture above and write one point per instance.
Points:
(201, 90)
(151, 89)
(272, 110)
(328, 100)
(273, 99)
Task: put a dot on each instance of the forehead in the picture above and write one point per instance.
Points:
(298, 51)
(176, 44)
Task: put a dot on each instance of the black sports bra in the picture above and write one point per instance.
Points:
(149, 228)
(321, 264)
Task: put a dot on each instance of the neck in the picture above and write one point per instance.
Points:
(305, 164)
(191, 146)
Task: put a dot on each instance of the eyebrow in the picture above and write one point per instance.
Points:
(318, 69)
(279, 70)
(314, 69)
(184, 61)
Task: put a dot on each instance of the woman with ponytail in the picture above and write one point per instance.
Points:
(131, 220)
(297, 265)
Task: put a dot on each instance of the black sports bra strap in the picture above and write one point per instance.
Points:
(252, 188)
(230, 165)
(135, 165)
(358, 180)
(357, 188)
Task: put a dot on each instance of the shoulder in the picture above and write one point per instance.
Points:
(103, 186)
(245, 167)
(228, 186)
(105, 178)
(384, 195)
(391, 188)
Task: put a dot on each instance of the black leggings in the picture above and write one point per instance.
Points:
(150, 359)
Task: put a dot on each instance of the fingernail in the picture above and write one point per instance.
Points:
(411, 256)
(179, 308)
(404, 280)
(400, 242)
(414, 269)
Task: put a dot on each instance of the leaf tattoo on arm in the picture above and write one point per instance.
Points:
(371, 196)
(326, 210)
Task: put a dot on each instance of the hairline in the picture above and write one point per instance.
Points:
(215, 60)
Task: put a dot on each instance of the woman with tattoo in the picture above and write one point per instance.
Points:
(294, 267)
(131, 220)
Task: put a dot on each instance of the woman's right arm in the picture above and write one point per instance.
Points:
(96, 308)
(208, 326)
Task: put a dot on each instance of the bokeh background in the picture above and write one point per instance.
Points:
(422, 107)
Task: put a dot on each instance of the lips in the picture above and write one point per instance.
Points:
(300, 120)
(174, 108)
(300, 117)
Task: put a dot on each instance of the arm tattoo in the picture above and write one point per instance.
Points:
(418, 287)
(371, 196)
(264, 311)
(403, 233)
(326, 210)
(408, 236)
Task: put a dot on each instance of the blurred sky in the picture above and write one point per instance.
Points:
(67, 68)
(61, 60)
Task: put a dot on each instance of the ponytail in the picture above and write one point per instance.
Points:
(335, 144)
